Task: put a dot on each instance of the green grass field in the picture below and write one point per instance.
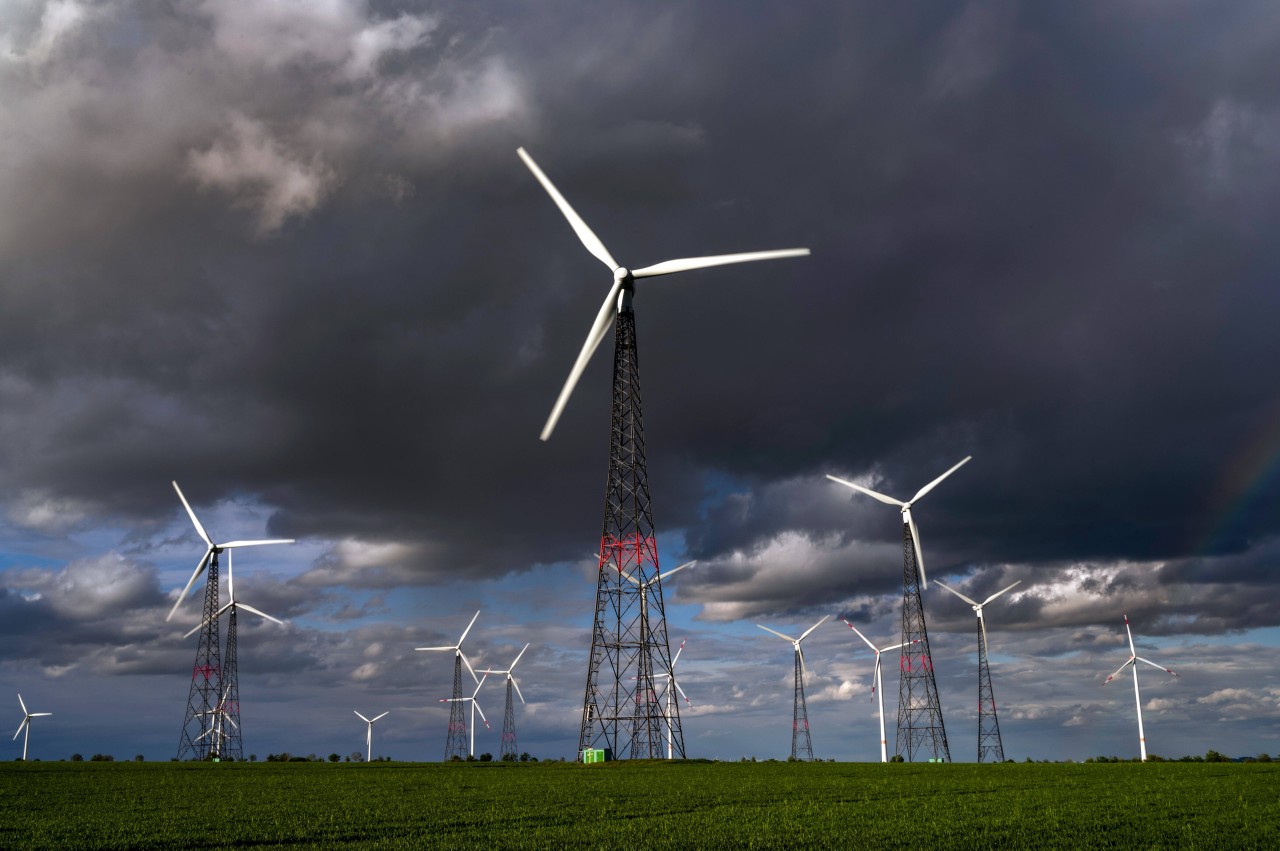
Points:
(638, 805)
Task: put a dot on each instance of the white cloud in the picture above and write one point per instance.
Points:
(261, 173)
(91, 588)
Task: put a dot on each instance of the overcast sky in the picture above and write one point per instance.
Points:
(284, 252)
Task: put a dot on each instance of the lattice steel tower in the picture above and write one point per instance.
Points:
(232, 737)
(990, 748)
(456, 744)
(801, 743)
(919, 711)
(623, 709)
(196, 742)
(510, 749)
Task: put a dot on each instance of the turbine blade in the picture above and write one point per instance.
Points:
(626, 576)
(588, 237)
(362, 718)
(825, 618)
(998, 593)
(233, 544)
(982, 625)
(467, 662)
(804, 672)
(1129, 632)
(775, 632)
(604, 319)
(961, 596)
(517, 686)
(435, 648)
(518, 655)
(231, 582)
(249, 608)
(1118, 670)
(383, 715)
(924, 490)
(25, 721)
(888, 500)
(190, 582)
(863, 637)
(1139, 658)
(476, 704)
(676, 683)
(199, 529)
(468, 629)
(42, 714)
(23, 705)
(677, 569)
(915, 539)
(676, 657)
(690, 263)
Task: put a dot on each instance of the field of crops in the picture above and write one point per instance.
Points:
(638, 805)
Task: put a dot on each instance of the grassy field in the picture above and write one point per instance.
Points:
(638, 805)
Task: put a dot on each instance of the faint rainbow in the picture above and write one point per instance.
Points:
(1254, 465)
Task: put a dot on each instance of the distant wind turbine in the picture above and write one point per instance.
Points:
(509, 745)
(1132, 662)
(801, 742)
(475, 707)
(877, 689)
(26, 725)
(368, 740)
(456, 740)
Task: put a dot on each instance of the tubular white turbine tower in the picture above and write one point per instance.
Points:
(1132, 662)
(801, 742)
(877, 688)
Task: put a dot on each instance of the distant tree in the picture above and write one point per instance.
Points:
(455, 758)
(333, 757)
(138, 758)
(895, 758)
(75, 757)
(356, 756)
(1214, 756)
(486, 757)
(102, 757)
(253, 757)
(1264, 758)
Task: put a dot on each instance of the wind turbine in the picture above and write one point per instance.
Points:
(456, 741)
(988, 723)
(876, 687)
(509, 745)
(26, 725)
(368, 739)
(673, 686)
(220, 713)
(799, 710)
(621, 645)
(475, 707)
(206, 676)
(919, 709)
(230, 665)
(1133, 661)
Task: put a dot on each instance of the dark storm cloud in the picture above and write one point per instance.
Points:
(292, 254)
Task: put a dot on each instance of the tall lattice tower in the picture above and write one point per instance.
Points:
(990, 748)
(623, 709)
(232, 738)
(206, 677)
(801, 743)
(456, 744)
(920, 724)
(510, 748)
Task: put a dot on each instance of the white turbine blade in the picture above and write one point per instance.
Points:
(963, 597)
(42, 714)
(677, 569)
(249, 608)
(478, 686)
(1118, 670)
(676, 657)
(626, 576)
(190, 582)
(205, 622)
(915, 539)
(518, 655)
(362, 718)
(435, 648)
(896, 646)
(383, 715)
(676, 683)
(1129, 632)
(998, 593)
(468, 629)
(860, 635)
(467, 662)
(205, 733)
(825, 618)
(604, 319)
(875, 676)
(1139, 658)
(199, 529)
(982, 626)
(476, 704)
(888, 500)
(23, 705)
(924, 490)
(687, 264)
(231, 582)
(775, 632)
(804, 672)
(232, 720)
(233, 544)
(25, 721)
(588, 237)
(517, 687)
